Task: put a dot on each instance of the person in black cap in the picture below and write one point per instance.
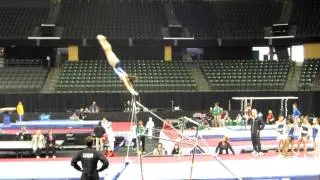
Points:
(89, 158)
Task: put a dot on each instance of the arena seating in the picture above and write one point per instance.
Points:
(19, 22)
(23, 62)
(244, 19)
(22, 79)
(306, 17)
(309, 72)
(153, 75)
(115, 19)
(197, 17)
(245, 74)
(227, 19)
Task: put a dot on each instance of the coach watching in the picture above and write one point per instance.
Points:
(257, 125)
(89, 159)
(99, 132)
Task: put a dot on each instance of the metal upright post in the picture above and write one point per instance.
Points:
(134, 107)
(134, 121)
(193, 154)
(282, 110)
(286, 107)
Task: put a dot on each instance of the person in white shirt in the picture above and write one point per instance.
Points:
(111, 137)
(38, 143)
(305, 132)
(281, 132)
(105, 123)
(150, 126)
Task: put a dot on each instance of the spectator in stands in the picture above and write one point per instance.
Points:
(74, 116)
(141, 134)
(159, 151)
(176, 150)
(50, 144)
(38, 143)
(305, 132)
(224, 146)
(216, 112)
(270, 117)
(115, 63)
(22, 134)
(20, 111)
(82, 114)
(257, 125)
(108, 152)
(94, 108)
(99, 132)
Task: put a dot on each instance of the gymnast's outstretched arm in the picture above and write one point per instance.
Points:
(115, 63)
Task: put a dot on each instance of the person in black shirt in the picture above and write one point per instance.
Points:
(82, 114)
(224, 145)
(257, 125)
(89, 159)
(99, 132)
(50, 144)
(176, 150)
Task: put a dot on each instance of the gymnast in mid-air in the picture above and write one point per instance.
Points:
(115, 63)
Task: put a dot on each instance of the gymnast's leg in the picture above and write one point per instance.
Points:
(115, 63)
(106, 46)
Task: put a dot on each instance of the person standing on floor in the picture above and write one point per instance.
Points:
(257, 125)
(141, 134)
(150, 126)
(20, 111)
(89, 159)
(99, 132)
(281, 133)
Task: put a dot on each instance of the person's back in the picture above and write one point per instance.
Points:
(89, 159)
(99, 131)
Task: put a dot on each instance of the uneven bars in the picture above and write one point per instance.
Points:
(139, 104)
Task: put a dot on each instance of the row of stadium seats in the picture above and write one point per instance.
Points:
(245, 74)
(22, 79)
(305, 14)
(19, 22)
(23, 62)
(310, 70)
(153, 75)
(156, 75)
(244, 19)
(115, 19)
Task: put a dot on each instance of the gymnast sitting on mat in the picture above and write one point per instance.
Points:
(115, 63)
(224, 146)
